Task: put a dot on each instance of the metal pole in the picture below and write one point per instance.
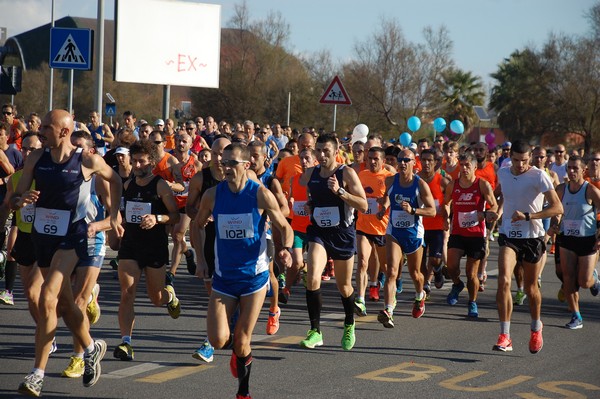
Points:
(51, 70)
(99, 59)
(289, 107)
(334, 115)
(70, 107)
(166, 101)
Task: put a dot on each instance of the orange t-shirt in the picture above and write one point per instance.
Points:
(162, 168)
(488, 173)
(300, 219)
(374, 185)
(169, 142)
(454, 174)
(436, 222)
(286, 169)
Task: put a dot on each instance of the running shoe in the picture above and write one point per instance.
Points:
(170, 279)
(438, 278)
(6, 297)
(233, 365)
(349, 338)
(374, 293)
(31, 385)
(114, 263)
(331, 268)
(418, 307)
(281, 280)
(575, 323)
(399, 286)
(536, 342)
(92, 369)
(539, 282)
(75, 368)
(561, 294)
(452, 298)
(504, 343)
(473, 309)
(325, 276)
(123, 352)
(381, 279)
(427, 289)
(93, 308)
(191, 263)
(174, 307)
(313, 338)
(284, 295)
(386, 318)
(205, 352)
(552, 249)
(520, 298)
(273, 322)
(594, 289)
(239, 396)
(53, 347)
(360, 308)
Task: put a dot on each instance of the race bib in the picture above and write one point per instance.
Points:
(468, 219)
(328, 216)
(373, 206)
(573, 228)
(236, 226)
(186, 190)
(519, 229)
(53, 222)
(402, 220)
(135, 210)
(28, 213)
(298, 208)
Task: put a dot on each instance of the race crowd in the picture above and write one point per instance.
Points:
(271, 211)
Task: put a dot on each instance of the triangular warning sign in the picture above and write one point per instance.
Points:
(69, 53)
(335, 93)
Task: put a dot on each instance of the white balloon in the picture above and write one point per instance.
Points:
(361, 130)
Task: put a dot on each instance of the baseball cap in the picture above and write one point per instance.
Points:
(362, 140)
(507, 144)
(159, 122)
(122, 150)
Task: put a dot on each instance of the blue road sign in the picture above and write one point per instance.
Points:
(110, 109)
(71, 48)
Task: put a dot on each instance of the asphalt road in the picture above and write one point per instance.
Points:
(441, 355)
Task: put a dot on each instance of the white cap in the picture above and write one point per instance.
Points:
(122, 150)
(159, 122)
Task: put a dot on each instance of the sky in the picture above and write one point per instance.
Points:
(484, 32)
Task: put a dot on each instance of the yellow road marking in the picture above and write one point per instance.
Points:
(177, 372)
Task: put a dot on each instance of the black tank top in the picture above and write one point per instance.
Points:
(140, 200)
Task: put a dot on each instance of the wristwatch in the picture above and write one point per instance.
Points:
(159, 218)
(340, 191)
(527, 216)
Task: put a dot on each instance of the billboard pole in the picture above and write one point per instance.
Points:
(99, 59)
(51, 69)
(166, 101)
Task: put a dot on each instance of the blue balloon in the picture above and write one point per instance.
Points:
(414, 123)
(457, 127)
(439, 125)
(405, 139)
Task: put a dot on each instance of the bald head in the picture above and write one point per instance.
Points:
(306, 140)
(60, 119)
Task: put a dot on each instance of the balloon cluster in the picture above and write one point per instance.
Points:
(490, 140)
(439, 125)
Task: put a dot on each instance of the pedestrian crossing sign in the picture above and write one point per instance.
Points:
(71, 48)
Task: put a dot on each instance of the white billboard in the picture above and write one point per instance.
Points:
(167, 42)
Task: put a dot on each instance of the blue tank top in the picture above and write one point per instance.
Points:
(99, 142)
(579, 219)
(266, 179)
(328, 209)
(403, 224)
(96, 213)
(241, 244)
(64, 196)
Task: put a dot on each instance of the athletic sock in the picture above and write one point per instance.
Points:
(505, 327)
(90, 348)
(314, 303)
(127, 339)
(536, 325)
(348, 309)
(10, 274)
(244, 365)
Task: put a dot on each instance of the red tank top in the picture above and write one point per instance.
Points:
(436, 222)
(300, 219)
(188, 170)
(466, 202)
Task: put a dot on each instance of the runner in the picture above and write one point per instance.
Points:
(335, 192)
(578, 242)
(523, 189)
(60, 234)
(409, 199)
(468, 196)
(371, 226)
(149, 205)
(239, 207)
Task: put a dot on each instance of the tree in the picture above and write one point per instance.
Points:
(461, 91)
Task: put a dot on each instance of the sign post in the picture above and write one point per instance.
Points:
(335, 94)
(71, 49)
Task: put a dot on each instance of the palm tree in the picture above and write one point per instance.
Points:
(461, 91)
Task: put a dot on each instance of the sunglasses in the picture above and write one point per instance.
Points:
(232, 163)
(189, 128)
(596, 159)
(405, 160)
(558, 152)
(6, 113)
(158, 142)
(540, 157)
(28, 149)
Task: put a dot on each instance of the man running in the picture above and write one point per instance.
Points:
(524, 190)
